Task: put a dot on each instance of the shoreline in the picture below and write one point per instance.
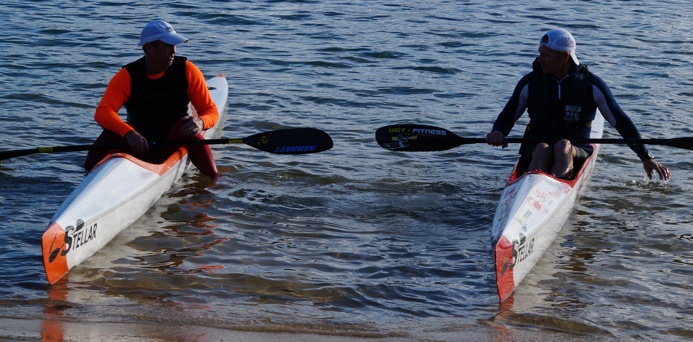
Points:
(63, 330)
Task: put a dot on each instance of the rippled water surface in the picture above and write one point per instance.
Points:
(355, 242)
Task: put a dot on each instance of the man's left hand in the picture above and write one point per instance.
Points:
(192, 126)
(651, 165)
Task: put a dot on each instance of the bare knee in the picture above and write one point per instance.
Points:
(541, 151)
(563, 154)
(541, 158)
(562, 146)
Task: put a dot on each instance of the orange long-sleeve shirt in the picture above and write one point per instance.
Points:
(118, 91)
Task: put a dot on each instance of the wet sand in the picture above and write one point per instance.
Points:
(57, 330)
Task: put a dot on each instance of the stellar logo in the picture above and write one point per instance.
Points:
(524, 250)
(75, 237)
(520, 252)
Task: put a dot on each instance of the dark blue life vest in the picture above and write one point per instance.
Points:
(566, 115)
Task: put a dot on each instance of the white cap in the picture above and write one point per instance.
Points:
(560, 40)
(160, 30)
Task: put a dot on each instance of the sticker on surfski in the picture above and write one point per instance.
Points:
(75, 237)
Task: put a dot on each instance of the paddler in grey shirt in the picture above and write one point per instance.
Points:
(561, 97)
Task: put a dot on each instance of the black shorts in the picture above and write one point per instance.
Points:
(580, 155)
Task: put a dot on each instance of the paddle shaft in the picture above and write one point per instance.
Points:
(684, 143)
(422, 138)
(283, 141)
(469, 141)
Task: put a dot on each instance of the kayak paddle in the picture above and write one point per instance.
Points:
(283, 141)
(423, 138)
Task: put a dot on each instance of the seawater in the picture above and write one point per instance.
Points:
(355, 242)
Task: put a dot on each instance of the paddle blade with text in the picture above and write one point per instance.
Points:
(417, 138)
(291, 141)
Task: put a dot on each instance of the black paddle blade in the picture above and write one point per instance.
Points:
(416, 138)
(291, 141)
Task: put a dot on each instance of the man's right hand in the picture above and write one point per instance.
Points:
(137, 142)
(495, 138)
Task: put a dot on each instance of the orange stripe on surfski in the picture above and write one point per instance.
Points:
(159, 169)
(53, 246)
(505, 261)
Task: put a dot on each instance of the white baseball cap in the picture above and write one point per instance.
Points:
(560, 40)
(160, 30)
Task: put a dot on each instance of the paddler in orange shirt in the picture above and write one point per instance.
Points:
(156, 90)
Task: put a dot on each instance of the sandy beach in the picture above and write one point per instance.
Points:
(57, 330)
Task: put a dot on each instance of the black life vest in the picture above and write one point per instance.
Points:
(154, 105)
(566, 115)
